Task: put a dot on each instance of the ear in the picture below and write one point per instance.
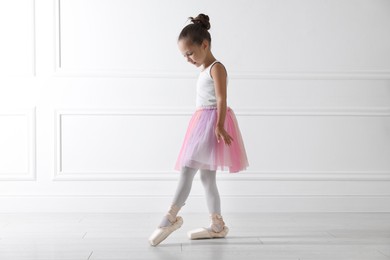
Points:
(205, 44)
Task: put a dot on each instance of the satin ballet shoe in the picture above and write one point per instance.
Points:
(204, 233)
(161, 233)
(217, 229)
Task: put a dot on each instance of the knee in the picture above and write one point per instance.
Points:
(204, 179)
(208, 179)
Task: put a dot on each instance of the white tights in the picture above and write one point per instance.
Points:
(183, 190)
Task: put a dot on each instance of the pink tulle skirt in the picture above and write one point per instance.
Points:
(201, 149)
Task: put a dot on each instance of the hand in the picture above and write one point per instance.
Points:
(220, 132)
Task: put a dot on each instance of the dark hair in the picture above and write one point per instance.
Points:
(197, 31)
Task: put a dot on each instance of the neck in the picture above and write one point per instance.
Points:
(209, 60)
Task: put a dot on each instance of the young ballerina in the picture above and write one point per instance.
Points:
(213, 139)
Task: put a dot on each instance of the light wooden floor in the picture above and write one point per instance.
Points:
(77, 236)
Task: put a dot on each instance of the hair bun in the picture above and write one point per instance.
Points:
(202, 20)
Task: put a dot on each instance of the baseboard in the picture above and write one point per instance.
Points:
(138, 204)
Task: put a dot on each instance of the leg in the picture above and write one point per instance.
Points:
(171, 221)
(209, 182)
(182, 192)
(217, 229)
(184, 186)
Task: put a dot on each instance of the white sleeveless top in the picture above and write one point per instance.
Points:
(205, 91)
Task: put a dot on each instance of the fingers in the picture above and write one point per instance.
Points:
(227, 139)
(219, 136)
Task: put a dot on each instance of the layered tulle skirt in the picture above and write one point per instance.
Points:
(201, 150)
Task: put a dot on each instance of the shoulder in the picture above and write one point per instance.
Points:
(218, 70)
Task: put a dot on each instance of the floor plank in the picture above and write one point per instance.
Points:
(117, 236)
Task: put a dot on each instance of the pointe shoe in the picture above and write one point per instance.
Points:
(161, 233)
(217, 230)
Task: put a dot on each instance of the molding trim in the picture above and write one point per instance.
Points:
(30, 175)
(237, 203)
(257, 75)
(34, 41)
(60, 175)
(225, 176)
(57, 37)
(305, 74)
(260, 111)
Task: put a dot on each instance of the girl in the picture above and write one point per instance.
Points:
(212, 140)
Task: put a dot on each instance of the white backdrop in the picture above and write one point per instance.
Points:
(95, 98)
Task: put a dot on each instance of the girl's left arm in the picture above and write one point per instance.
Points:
(218, 73)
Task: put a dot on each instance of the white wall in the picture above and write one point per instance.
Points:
(95, 99)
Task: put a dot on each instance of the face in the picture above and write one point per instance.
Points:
(193, 53)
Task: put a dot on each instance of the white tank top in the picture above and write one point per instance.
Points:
(205, 91)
